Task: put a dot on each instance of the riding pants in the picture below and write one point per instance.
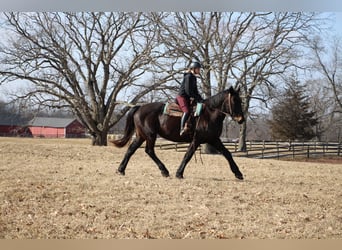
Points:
(184, 105)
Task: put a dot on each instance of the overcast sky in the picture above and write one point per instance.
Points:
(171, 5)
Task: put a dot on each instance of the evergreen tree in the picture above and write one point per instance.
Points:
(292, 118)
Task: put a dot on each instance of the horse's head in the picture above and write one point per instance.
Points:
(233, 104)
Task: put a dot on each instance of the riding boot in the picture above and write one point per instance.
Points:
(183, 121)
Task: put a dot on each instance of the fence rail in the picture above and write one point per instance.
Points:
(267, 150)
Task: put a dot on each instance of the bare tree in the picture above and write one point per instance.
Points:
(82, 61)
(328, 62)
(327, 65)
(252, 50)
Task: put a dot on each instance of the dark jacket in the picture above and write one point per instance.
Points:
(188, 88)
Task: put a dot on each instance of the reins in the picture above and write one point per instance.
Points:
(197, 122)
(229, 106)
(221, 110)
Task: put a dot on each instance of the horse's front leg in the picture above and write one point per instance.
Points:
(221, 148)
(150, 143)
(187, 157)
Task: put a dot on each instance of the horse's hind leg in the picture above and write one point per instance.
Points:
(130, 151)
(150, 143)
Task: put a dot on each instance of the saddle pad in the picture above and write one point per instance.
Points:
(199, 108)
(173, 109)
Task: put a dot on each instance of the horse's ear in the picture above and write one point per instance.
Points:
(231, 90)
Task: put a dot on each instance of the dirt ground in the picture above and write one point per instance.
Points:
(67, 189)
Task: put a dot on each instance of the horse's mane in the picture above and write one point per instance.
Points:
(216, 100)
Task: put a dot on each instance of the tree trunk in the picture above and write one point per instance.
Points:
(99, 138)
(242, 138)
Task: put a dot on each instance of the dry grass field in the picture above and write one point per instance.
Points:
(64, 189)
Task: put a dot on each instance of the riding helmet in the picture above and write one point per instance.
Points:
(194, 65)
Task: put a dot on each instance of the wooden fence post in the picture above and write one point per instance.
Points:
(278, 150)
(293, 150)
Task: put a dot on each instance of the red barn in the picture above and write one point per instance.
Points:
(13, 125)
(6, 129)
(50, 127)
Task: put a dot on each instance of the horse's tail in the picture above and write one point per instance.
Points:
(129, 129)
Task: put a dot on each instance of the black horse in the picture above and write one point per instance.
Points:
(149, 121)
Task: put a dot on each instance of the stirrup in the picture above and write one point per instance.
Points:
(183, 131)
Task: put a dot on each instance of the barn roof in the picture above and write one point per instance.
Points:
(12, 120)
(51, 122)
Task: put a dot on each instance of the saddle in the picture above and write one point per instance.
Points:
(173, 109)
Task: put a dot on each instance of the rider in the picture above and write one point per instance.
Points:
(188, 90)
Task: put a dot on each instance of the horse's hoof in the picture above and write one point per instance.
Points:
(120, 172)
(239, 176)
(179, 176)
(165, 174)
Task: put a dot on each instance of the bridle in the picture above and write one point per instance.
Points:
(230, 111)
